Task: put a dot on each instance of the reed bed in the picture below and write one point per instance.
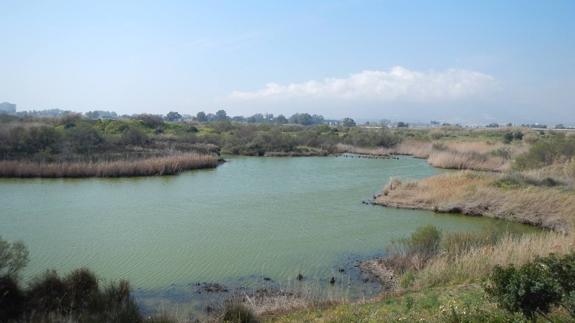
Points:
(473, 155)
(450, 159)
(475, 194)
(378, 151)
(561, 172)
(415, 148)
(477, 263)
(168, 165)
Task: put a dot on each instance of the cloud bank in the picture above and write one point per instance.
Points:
(399, 84)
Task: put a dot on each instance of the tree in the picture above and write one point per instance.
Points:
(85, 138)
(508, 137)
(13, 258)
(134, 136)
(256, 118)
(201, 116)
(150, 120)
(305, 119)
(281, 119)
(173, 116)
(221, 115)
(348, 122)
(402, 124)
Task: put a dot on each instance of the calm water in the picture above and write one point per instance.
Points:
(272, 217)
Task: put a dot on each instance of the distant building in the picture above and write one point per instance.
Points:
(6, 107)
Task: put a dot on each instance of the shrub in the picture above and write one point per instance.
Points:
(415, 251)
(534, 287)
(46, 294)
(84, 138)
(546, 152)
(508, 137)
(13, 258)
(134, 136)
(82, 290)
(239, 313)
(515, 180)
(530, 289)
(12, 299)
(150, 120)
(424, 241)
(49, 298)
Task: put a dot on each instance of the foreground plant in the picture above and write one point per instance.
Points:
(534, 288)
(77, 297)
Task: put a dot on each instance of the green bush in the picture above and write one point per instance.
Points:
(424, 241)
(238, 313)
(555, 148)
(13, 258)
(76, 298)
(535, 287)
(529, 290)
(12, 299)
(516, 180)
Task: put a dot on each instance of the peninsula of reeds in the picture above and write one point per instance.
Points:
(168, 165)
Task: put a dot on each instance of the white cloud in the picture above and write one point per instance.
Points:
(396, 85)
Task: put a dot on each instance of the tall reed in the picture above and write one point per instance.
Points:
(168, 165)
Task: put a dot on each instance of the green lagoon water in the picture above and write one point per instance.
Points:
(272, 217)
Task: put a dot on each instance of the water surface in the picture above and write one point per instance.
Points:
(272, 217)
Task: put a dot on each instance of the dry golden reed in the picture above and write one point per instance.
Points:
(474, 194)
(478, 262)
(168, 165)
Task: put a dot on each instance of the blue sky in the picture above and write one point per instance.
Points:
(477, 61)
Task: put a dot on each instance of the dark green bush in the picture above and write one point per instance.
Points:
(12, 299)
(424, 241)
(535, 287)
(46, 294)
(516, 180)
(555, 148)
(77, 297)
(13, 258)
(412, 253)
(239, 313)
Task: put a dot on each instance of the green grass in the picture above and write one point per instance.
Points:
(463, 303)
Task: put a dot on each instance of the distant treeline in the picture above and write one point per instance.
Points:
(76, 137)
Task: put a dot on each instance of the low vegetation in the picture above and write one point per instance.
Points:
(489, 276)
(168, 165)
(486, 194)
(520, 175)
(455, 277)
(536, 287)
(75, 138)
(76, 297)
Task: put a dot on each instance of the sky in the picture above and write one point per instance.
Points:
(453, 61)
